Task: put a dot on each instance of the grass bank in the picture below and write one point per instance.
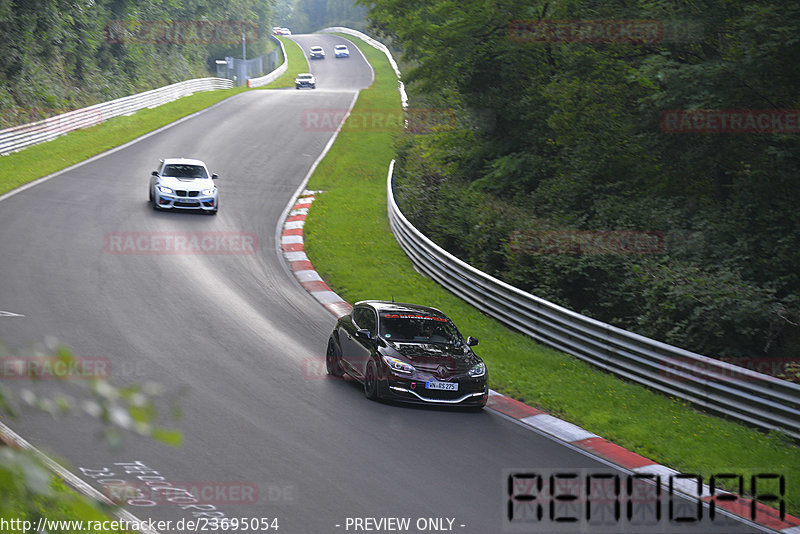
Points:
(348, 239)
(40, 160)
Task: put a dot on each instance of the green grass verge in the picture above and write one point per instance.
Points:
(40, 160)
(348, 239)
(297, 64)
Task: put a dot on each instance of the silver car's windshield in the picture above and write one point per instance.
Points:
(418, 328)
(184, 171)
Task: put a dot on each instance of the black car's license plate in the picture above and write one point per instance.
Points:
(444, 386)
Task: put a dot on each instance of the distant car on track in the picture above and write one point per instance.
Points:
(184, 184)
(409, 353)
(305, 79)
(281, 31)
(316, 52)
(341, 50)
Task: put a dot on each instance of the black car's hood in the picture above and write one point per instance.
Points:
(432, 357)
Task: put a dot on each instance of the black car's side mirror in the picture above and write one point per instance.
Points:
(363, 333)
(154, 173)
(472, 341)
(214, 176)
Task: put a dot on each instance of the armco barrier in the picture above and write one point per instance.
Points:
(737, 392)
(275, 74)
(25, 135)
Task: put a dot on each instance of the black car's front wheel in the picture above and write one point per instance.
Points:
(371, 381)
(333, 358)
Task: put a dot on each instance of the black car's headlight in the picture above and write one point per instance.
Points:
(165, 189)
(477, 371)
(398, 366)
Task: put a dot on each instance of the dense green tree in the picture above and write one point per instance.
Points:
(306, 16)
(575, 142)
(57, 55)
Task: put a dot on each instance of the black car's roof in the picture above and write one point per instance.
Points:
(383, 305)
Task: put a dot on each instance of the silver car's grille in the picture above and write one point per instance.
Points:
(180, 192)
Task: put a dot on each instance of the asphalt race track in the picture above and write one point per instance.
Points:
(263, 427)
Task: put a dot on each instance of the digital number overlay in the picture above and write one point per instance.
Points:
(603, 500)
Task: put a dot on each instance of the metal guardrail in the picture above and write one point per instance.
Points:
(275, 74)
(25, 135)
(740, 393)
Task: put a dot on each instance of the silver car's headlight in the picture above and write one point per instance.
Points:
(209, 191)
(398, 366)
(478, 370)
(165, 189)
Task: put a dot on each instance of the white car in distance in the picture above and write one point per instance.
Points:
(341, 50)
(305, 79)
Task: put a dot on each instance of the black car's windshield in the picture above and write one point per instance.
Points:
(418, 328)
(184, 171)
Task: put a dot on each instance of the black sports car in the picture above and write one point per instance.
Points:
(407, 352)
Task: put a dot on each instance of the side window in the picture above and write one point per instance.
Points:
(370, 322)
(365, 318)
(358, 317)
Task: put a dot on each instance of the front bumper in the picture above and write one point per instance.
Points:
(200, 202)
(471, 392)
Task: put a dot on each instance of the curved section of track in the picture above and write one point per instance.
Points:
(242, 340)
